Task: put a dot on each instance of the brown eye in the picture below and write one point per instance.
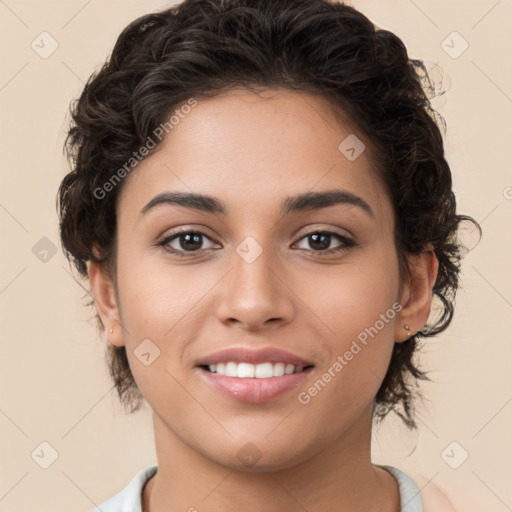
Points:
(320, 242)
(184, 242)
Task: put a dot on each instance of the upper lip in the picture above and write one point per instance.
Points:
(253, 356)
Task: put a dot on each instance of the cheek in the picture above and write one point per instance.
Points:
(154, 292)
(351, 297)
(165, 303)
(356, 307)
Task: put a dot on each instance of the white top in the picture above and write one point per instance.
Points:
(130, 498)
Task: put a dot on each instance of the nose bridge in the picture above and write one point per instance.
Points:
(254, 293)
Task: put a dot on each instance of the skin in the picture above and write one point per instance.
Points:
(251, 152)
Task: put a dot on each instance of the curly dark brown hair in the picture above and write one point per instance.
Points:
(200, 48)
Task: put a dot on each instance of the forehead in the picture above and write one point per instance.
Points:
(252, 150)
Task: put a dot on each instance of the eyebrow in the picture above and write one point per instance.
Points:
(308, 201)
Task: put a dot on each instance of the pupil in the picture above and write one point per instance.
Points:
(190, 244)
(315, 238)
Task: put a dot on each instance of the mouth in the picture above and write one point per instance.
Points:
(253, 375)
(254, 384)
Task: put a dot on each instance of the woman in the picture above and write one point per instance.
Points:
(260, 201)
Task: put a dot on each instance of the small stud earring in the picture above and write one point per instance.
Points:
(408, 329)
(111, 331)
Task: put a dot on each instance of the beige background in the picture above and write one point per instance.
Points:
(54, 385)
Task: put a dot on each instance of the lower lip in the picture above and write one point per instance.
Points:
(254, 390)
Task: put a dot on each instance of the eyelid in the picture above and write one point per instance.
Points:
(332, 231)
(326, 228)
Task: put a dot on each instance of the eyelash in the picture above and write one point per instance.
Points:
(347, 243)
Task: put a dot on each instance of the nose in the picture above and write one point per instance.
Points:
(255, 295)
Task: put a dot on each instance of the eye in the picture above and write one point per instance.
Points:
(321, 240)
(191, 241)
(185, 241)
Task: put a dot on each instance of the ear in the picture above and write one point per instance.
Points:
(416, 297)
(103, 289)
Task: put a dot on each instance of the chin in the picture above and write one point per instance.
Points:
(254, 458)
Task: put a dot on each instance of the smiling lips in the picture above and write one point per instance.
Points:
(254, 376)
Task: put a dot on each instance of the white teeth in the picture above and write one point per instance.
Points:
(279, 369)
(289, 368)
(245, 370)
(258, 371)
(263, 370)
(231, 370)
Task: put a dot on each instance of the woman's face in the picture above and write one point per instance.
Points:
(255, 276)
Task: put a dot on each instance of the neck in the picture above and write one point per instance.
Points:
(340, 477)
